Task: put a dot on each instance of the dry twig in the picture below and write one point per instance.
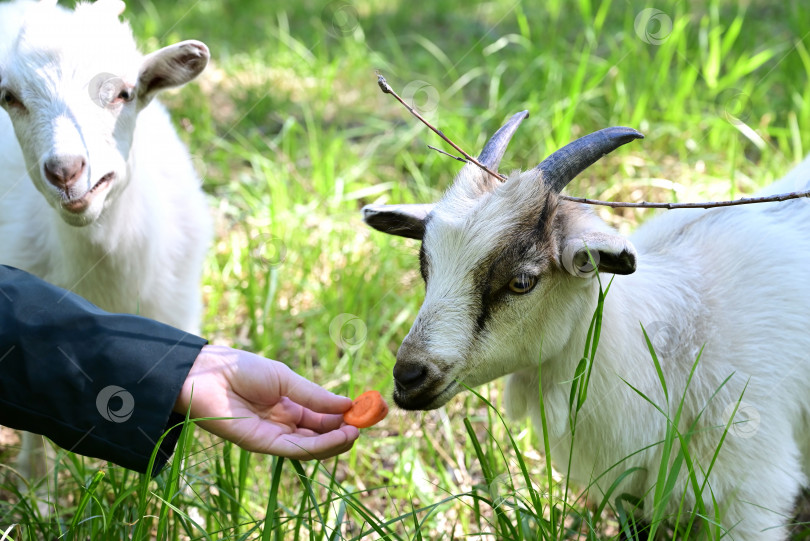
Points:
(386, 88)
(440, 151)
(701, 205)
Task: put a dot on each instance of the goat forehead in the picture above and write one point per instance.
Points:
(86, 41)
(461, 234)
(456, 246)
(72, 62)
(477, 199)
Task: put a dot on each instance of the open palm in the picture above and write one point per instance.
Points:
(271, 409)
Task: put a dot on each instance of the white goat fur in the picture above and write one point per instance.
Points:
(731, 279)
(139, 245)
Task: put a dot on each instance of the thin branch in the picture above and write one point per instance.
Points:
(440, 151)
(669, 206)
(386, 88)
(703, 205)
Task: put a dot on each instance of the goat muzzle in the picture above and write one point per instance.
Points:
(64, 171)
(418, 381)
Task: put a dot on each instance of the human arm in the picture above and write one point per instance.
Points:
(96, 383)
(104, 385)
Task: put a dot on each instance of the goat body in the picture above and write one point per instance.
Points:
(98, 194)
(138, 245)
(509, 281)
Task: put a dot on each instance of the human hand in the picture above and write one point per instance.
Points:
(280, 412)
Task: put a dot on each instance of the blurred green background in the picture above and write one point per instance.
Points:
(293, 135)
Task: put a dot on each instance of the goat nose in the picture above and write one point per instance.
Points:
(409, 376)
(64, 171)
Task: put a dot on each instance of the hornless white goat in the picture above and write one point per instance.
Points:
(507, 276)
(120, 217)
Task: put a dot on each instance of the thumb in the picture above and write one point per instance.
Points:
(309, 394)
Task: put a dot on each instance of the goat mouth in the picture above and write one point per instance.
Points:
(426, 402)
(78, 205)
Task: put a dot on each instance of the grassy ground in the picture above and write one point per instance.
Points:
(293, 136)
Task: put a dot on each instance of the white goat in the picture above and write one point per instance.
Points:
(508, 278)
(120, 217)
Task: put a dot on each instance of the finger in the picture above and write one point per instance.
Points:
(316, 447)
(338, 452)
(309, 394)
(306, 432)
(312, 448)
(289, 412)
(320, 422)
(352, 436)
(305, 437)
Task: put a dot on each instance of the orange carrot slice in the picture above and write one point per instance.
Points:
(367, 410)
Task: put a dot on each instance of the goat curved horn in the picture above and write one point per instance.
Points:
(496, 146)
(562, 166)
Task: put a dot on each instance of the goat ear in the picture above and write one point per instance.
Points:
(171, 66)
(611, 252)
(402, 220)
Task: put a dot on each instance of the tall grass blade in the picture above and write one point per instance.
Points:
(272, 524)
(88, 494)
(507, 529)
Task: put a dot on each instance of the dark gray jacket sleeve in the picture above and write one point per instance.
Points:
(96, 383)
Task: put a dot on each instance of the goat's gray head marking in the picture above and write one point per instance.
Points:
(498, 259)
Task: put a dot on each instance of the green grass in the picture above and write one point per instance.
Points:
(293, 136)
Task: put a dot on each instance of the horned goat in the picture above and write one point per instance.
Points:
(509, 281)
(120, 217)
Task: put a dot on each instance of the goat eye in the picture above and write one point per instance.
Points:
(8, 99)
(522, 283)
